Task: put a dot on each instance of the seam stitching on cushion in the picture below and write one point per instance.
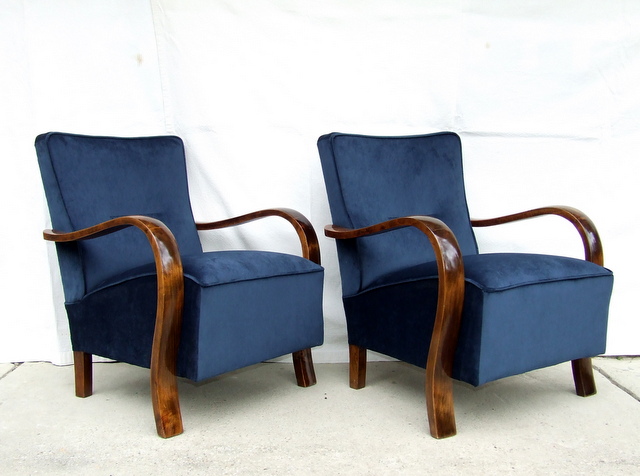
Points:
(311, 271)
(481, 287)
(192, 278)
(532, 283)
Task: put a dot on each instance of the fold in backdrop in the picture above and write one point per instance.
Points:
(545, 94)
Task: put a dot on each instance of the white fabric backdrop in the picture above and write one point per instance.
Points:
(544, 94)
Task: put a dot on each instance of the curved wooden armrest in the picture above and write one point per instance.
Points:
(166, 337)
(303, 227)
(587, 230)
(444, 340)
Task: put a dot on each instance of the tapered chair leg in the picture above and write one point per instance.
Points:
(82, 366)
(303, 367)
(357, 366)
(583, 377)
(166, 404)
(440, 410)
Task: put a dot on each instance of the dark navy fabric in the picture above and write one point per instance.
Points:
(89, 180)
(241, 307)
(510, 323)
(374, 179)
(521, 311)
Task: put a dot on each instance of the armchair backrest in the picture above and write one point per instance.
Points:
(89, 180)
(372, 179)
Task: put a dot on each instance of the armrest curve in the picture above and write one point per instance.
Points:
(304, 229)
(450, 268)
(586, 228)
(444, 338)
(166, 337)
(442, 239)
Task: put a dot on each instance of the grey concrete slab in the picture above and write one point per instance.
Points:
(5, 369)
(623, 371)
(257, 421)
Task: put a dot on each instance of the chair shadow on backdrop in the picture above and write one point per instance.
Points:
(416, 288)
(138, 286)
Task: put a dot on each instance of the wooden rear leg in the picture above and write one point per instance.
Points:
(357, 366)
(303, 367)
(82, 366)
(583, 377)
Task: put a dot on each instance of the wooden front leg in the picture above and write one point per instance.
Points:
(82, 366)
(303, 366)
(166, 404)
(444, 339)
(440, 410)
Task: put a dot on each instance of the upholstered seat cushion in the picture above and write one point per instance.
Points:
(493, 272)
(220, 267)
(241, 307)
(530, 303)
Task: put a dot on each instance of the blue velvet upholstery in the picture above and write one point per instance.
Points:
(241, 307)
(521, 311)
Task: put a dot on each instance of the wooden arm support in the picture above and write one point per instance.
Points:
(164, 388)
(582, 368)
(438, 384)
(304, 229)
(582, 223)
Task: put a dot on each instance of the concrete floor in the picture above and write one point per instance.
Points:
(257, 421)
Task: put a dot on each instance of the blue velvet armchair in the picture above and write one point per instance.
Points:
(138, 286)
(416, 288)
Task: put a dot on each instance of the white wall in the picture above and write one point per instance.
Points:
(544, 94)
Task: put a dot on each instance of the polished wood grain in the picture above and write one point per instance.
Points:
(303, 362)
(585, 227)
(438, 382)
(164, 387)
(83, 370)
(582, 368)
(302, 226)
